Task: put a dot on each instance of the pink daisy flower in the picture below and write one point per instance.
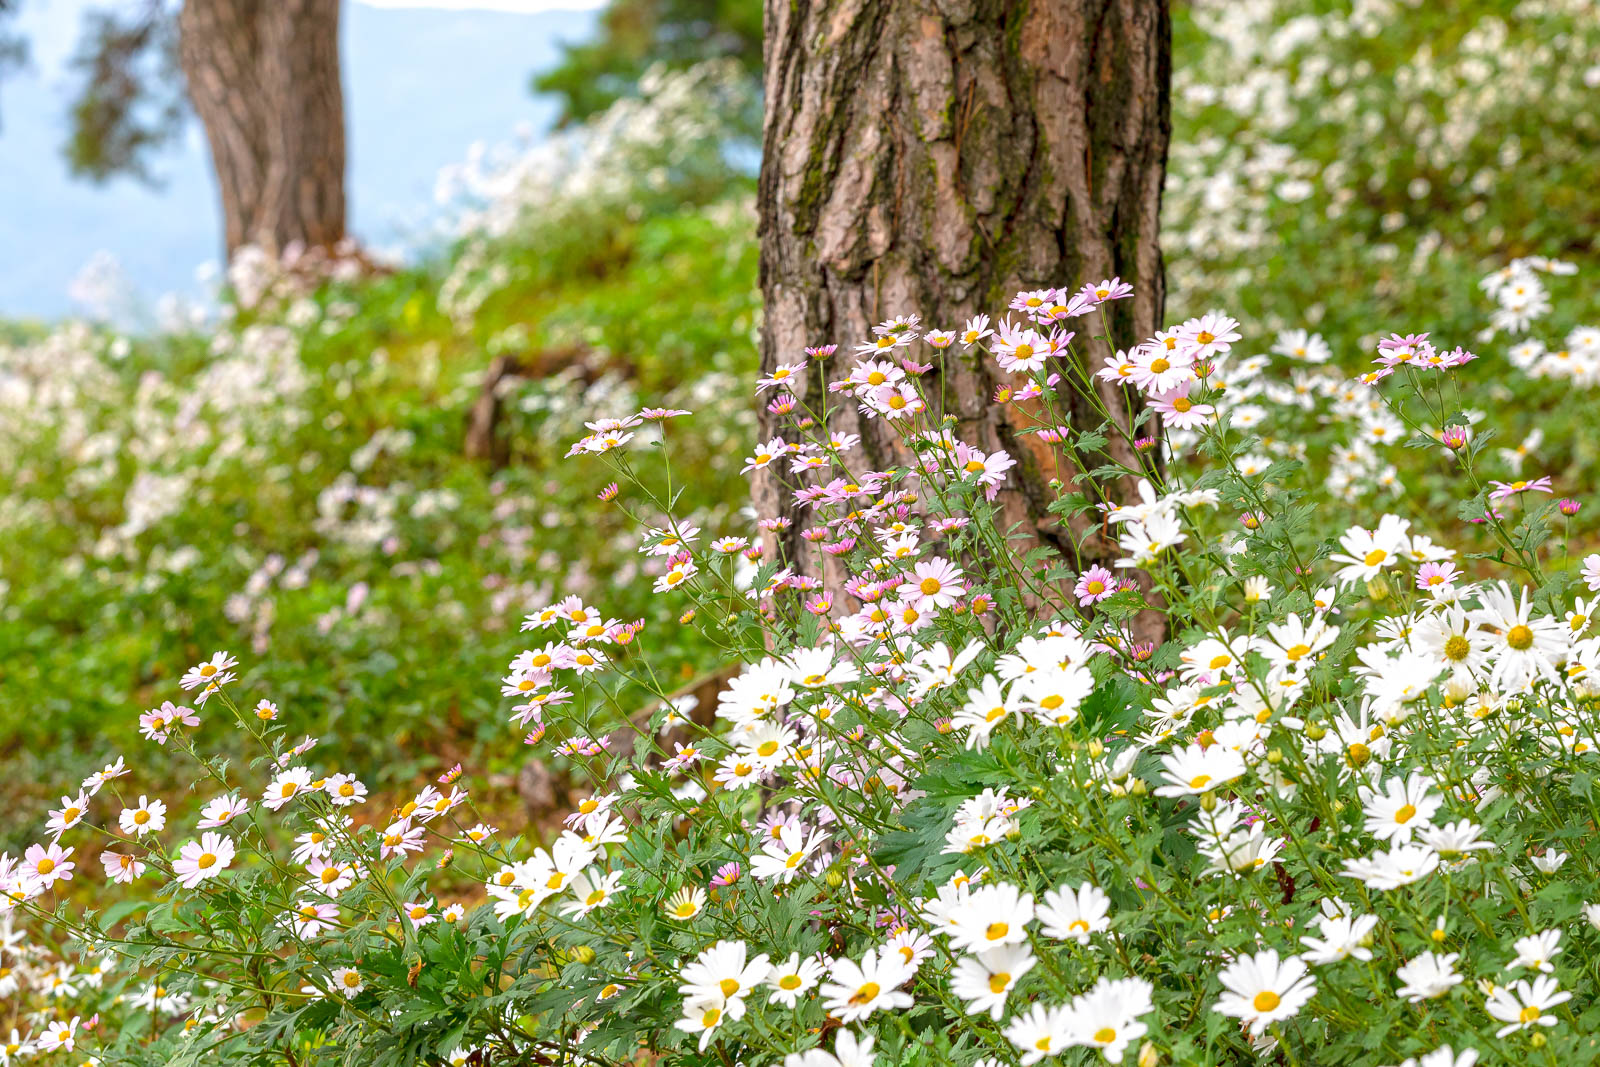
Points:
(1094, 585)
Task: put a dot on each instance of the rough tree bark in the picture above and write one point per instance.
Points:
(937, 156)
(263, 75)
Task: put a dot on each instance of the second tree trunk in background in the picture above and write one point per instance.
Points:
(263, 75)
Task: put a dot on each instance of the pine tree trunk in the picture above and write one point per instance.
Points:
(263, 76)
(935, 157)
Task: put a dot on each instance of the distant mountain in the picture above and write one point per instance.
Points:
(421, 86)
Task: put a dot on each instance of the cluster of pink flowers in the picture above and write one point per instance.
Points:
(1413, 350)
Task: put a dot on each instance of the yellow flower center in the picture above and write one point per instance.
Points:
(1519, 637)
(1200, 781)
(141, 817)
(995, 931)
(1375, 557)
(999, 982)
(1296, 653)
(206, 861)
(789, 981)
(866, 993)
(1405, 814)
(1105, 1035)
(1265, 1001)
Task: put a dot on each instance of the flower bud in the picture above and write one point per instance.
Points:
(1538, 1040)
(1208, 801)
(1378, 587)
(1148, 1056)
(1138, 788)
(834, 879)
(1275, 756)
(1315, 731)
(583, 954)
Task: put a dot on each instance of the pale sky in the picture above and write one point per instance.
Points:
(425, 80)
